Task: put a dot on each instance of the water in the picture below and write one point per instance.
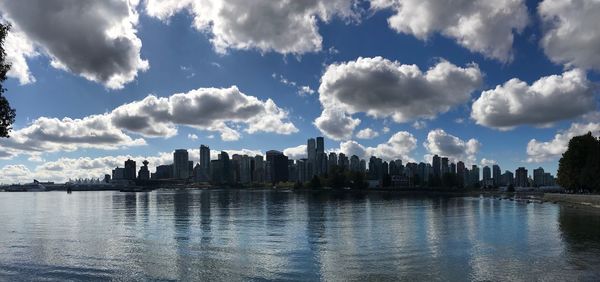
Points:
(262, 235)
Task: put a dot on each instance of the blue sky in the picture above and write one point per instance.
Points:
(183, 57)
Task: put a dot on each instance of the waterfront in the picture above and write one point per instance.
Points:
(256, 235)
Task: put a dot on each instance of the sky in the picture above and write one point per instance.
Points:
(488, 82)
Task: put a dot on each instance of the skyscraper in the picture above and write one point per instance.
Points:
(521, 177)
(445, 168)
(437, 166)
(129, 172)
(311, 153)
(496, 174)
(487, 173)
(278, 166)
(181, 164)
(538, 177)
(205, 157)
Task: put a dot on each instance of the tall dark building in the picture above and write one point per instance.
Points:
(496, 174)
(205, 157)
(437, 166)
(487, 173)
(144, 173)
(521, 177)
(181, 164)
(164, 172)
(129, 172)
(279, 166)
(445, 168)
(226, 167)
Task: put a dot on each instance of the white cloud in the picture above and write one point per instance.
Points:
(94, 39)
(399, 146)
(367, 133)
(419, 124)
(52, 135)
(382, 88)
(287, 27)
(192, 136)
(336, 124)
(443, 144)
(295, 153)
(18, 49)
(213, 109)
(572, 36)
(482, 26)
(549, 99)
(305, 90)
(385, 129)
(486, 162)
(541, 151)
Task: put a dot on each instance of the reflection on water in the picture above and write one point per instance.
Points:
(263, 235)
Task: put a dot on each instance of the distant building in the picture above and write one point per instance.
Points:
(354, 163)
(487, 173)
(144, 173)
(118, 173)
(278, 166)
(496, 174)
(538, 177)
(507, 179)
(445, 168)
(181, 164)
(164, 172)
(106, 178)
(436, 163)
(311, 152)
(521, 179)
(129, 172)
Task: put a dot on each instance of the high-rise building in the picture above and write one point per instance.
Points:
(333, 160)
(118, 173)
(521, 179)
(245, 170)
(164, 172)
(445, 168)
(436, 163)
(460, 168)
(311, 153)
(354, 163)
(496, 174)
(538, 177)
(258, 173)
(181, 164)
(453, 168)
(487, 173)
(278, 166)
(144, 173)
(205, 158)
(226, 167)
(474, 174)
(363, 166)
(129, 172)
(507, 179)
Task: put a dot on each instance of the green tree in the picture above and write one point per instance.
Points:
(315, 182)
(579, 166)
(7, 114)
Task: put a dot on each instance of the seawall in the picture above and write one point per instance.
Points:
(586, 200)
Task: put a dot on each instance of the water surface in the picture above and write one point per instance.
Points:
(264, 235)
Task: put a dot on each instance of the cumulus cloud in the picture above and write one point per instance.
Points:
(18, 49)
(296, 153)
(419, 124)
(192, 136)
(52, 135)
(287, 27)
(540, 151)
(224, 110)
(443, 144)
(549, 99)
(367, 133)
(336, 124)
(487, 162)
(399, 146)
(571, 36)
(94, 39)
(213, 109)
(482, 26)
(382, 88)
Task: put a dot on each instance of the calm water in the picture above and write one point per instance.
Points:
(261, 235)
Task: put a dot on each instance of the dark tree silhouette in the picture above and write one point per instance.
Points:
(7, 114)
(579, 167)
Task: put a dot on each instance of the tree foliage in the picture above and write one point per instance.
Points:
(579, 167)
(7, 114)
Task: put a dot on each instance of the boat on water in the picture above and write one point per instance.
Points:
(35, 186)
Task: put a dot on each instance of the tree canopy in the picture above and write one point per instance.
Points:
(7, 114)
(579, 167)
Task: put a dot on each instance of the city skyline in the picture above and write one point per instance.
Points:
(275, 167)
(421, 90)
